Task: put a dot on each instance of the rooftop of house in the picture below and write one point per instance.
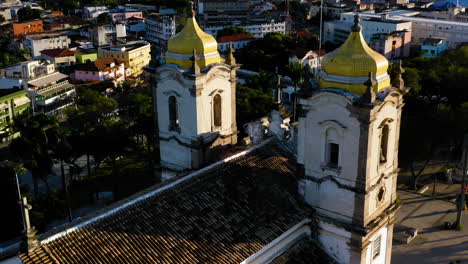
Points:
(6, 94)
(433, 41)
(234, 38)
(222, 214)
(126, 47)
(99, 65)
(55, 53)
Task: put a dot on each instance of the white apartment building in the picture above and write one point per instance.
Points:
(92, 12)
(160, 28)
(337, 31)
(102, 35)
(257, 30)
(28, 70)
(454, 32)
(39, 42)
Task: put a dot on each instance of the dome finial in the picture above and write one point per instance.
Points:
(190, 9)
(356, 27)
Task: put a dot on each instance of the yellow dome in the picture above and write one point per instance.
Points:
(192, 37)
(348, 66)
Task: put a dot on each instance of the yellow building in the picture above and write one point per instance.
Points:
(135, 56)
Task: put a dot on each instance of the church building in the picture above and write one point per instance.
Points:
(331, 200)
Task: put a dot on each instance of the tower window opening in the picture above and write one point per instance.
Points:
(333, 154)
(173, 114)
(384, 144)
(217, 120)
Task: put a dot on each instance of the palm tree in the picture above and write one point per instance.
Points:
(298, 73)
(32, 147)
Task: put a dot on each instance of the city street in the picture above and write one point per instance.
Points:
(433, 244)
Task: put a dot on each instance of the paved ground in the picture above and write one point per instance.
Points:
(432, 245)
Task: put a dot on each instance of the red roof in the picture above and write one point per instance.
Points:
(58, 53)
(320, 52)
(99, 65)
(234, 38)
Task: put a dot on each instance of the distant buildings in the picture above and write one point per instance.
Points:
(120, 15)
(92, 12)
(257, 29)
(454, 32)
(86, 55)
(135, 56)
(105, 34)
(39, 42)
(51, 93)
(392, 45)
(27, 27)
(433, 47)
(223, 9)
(238, 41)
(12, 103)
(28, 70)
(160, 28)
(100, 70)
(62, 57)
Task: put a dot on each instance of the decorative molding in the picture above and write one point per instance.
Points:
(339, 184)
(172, 92)
(331, 121)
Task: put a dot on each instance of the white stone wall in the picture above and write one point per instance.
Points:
(335, 241)
(381, 258)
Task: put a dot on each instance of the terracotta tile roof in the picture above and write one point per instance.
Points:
(234, 38)
(58, 52)
(303, 252)
(222, 214)
(99, 65)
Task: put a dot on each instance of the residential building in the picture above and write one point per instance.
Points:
(135, 27)
(12, 103)
(258, 30)
(454, 32)
(28, 70)
(86, 55)
(39, 42)
(61, 57)
(121, 15)
(238, 41)
(337, 31)
(143, 8)
(223, 9)
(393, 45)
(92, 12)
(433, 47)
(107, 34)
(27, 27)
(6, 13)
(51, 93)
(160, 28)
(100, 70)
(135, 56)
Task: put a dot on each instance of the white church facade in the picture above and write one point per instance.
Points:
(331, 200)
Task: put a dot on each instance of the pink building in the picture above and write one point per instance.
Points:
(100, 70)
(118, 17)
(393, 45)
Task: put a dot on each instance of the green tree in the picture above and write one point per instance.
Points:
(104, 18)
(12, 222)
(252, 103)
(27, 13)
(232, 30)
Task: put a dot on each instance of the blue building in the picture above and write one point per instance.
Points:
(433, 47)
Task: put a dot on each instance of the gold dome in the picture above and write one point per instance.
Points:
(192, 37)
(348, 66)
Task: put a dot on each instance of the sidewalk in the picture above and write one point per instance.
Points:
(432, 245)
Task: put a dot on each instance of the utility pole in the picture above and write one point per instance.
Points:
(461, 201)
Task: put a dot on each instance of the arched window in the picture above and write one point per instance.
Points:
(332, 148)
(384, 144)
(173, 114)
(217, 120)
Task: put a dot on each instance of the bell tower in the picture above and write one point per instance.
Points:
(348, 148)
(195, 99)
